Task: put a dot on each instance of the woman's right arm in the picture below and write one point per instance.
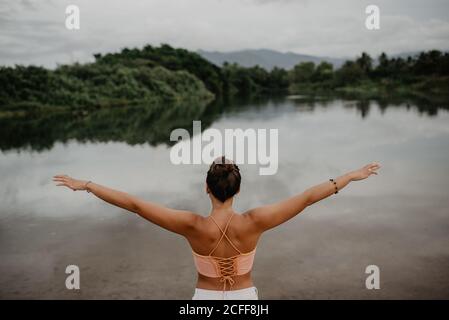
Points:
(270, 216)
(178, 221)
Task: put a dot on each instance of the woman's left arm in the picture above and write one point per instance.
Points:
(178, 221)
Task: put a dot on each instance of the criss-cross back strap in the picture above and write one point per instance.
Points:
(223, 234)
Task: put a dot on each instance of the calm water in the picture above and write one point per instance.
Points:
(398, 220)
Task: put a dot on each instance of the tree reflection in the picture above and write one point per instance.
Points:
(141, 124)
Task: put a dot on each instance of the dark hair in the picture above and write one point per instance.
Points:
(223, 178)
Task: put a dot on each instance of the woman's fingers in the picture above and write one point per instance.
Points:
(63, 180)
(373, 167)
(61, 177)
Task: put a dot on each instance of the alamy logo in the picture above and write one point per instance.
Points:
(372, 21)
(72, 282)
(248, 146)
(72, 20)
(373, 280)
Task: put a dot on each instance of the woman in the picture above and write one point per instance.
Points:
(223, 243)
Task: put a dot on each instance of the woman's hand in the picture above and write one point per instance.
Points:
(365, 172)
(66, 181)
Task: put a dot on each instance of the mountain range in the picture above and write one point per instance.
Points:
(265, 58)
(268, 59)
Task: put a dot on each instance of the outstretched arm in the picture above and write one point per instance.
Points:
(270, 216)
(177, 221)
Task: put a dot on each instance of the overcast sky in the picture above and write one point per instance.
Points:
(33, 31)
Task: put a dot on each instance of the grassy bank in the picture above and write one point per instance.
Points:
(435, 87)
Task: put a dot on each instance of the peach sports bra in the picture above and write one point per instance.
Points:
(224, 268)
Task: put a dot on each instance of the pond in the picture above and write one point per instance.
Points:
(398, 220)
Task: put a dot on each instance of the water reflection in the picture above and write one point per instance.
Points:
(152, 125)
(425, 105)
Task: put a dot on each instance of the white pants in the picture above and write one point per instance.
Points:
(242, 294)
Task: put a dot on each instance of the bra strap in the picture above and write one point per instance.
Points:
(223, 234)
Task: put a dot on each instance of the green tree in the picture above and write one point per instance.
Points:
(303, 72)
(349, 73)
(323, 72)
(365, 63)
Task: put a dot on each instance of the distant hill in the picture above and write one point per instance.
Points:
(265, 58)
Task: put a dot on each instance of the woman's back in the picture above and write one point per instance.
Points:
(207, 234)
(228, 241)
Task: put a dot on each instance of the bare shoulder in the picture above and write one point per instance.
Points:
(260, 218)
(248, 215)
(193, 218)
(190, 221)
(250, 218)
(253, 215)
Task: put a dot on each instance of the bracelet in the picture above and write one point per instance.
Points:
(335, 185)
(85, 186)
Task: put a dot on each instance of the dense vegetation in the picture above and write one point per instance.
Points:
(427, 72)
(154, 76)
(149, 76)
(169, 58)
(96, 85)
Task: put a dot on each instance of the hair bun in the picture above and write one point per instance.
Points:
(223, 170)
(223, 179)
(224, 166)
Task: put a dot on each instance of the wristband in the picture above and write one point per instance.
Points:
(85, 186)
(335, 185)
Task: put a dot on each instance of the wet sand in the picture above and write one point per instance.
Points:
(321, 254)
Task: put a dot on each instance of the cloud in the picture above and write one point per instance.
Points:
(34, 31)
